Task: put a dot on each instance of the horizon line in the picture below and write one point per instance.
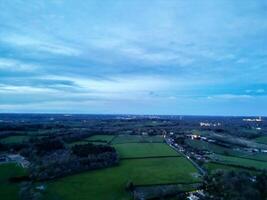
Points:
(110, 114)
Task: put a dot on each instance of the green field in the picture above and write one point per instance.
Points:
(77, 143)
(236, 141)
(202, 145)
(110, 183)
(256, 156)
(100, 138)
(15, 139)
(9, 191)
(137, 138)
(95, 139)
(241, 161)
(217, 166)
(134, 150)
(262, 139)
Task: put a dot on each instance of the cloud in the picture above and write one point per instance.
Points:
(24, 89)
(116, 84)
(161, 57)
(16, 65)
(181, 52)
(33, 44)
(229, 97)
(260, 91)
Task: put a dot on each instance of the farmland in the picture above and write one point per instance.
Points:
(80, 158)
(241, 162)
(95, 139)
(9, 191)
(212, 166)
(110, 183)
(135, 150)
(262, 140)
(137, 138)
(202, 145)
(77, 143)
(100, 138)
(15, 139)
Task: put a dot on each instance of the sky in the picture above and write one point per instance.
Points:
(171, 57)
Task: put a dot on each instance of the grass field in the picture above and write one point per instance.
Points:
(102, 138)
(242, 162)
(199, 144)
(133, 150)
(77, 143)
(9, 191)
(262, 140)
(202, 145)
(217, 166)
(137, 138)
(236, 141)
(95, 139)
(15, 139)
(256, 156)
(110, 183)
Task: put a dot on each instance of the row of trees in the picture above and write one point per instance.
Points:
(233, 185)
(64, 161)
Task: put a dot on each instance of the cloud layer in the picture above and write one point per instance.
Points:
(142, 57)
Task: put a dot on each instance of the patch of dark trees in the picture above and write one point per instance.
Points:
(20, 126)
(91, 149)
(234, 185)
(19, 179)
(46, 145)
(61, 162)
(14, 147)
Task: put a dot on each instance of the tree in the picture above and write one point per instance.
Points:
(231, 186)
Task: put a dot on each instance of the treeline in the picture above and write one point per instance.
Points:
(19, 126)
(61, 161)
(233, 185)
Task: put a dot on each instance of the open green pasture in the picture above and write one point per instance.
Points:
(15, 139)
(137, 138)
(139, 150)
(236, 141)
(262, 139)
(110, 183)
(202, 145)
(95, 139)
(212, 166)
(241, 161)
(100, 138)
(9, 191)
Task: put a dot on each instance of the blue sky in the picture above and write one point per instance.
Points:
(130, 56)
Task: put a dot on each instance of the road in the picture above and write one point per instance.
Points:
(176, 148)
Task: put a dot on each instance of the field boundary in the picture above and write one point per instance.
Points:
(114, 137)
(138, 143)
(243, 158)
(100, 141)
(246, 158)
(149, 157)
(173, 183)
(237, 166)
